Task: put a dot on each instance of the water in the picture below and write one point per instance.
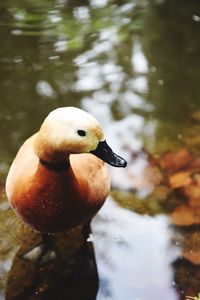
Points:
(135, 66)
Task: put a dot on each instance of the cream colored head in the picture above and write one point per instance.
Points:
(67, 130)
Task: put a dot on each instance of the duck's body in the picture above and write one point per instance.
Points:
(55, 201)
(52, 199)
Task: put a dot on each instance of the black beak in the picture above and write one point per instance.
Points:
(104, 152)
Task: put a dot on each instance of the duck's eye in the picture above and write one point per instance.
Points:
(81, 132)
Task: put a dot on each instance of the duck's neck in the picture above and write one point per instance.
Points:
(51, 158)
(59, 166)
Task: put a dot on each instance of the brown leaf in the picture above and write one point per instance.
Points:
(184, 215)
(192, 192)
(193, 256)
(191, 247)
(175, 161)
(181, 179)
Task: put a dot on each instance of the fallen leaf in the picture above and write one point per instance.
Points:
(184, 215)
(181, 179)
(193, 256)
(192, 192)
(175, 161)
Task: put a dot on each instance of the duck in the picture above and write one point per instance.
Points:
(59, 177)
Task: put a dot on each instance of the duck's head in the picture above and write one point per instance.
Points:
(70, 130)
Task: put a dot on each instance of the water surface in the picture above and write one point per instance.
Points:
(135, 66)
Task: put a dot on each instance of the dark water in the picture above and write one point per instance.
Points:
(135, 66)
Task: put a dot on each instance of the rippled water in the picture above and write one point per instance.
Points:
(135, 66)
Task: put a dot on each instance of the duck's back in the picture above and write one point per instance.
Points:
(55, 201)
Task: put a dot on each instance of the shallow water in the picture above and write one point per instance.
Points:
(135, 66)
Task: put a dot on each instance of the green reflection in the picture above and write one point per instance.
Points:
(43, 40)
(57, 53)
(171, 44)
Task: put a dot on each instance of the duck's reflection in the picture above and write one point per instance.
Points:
(134, 254)
(72, 274)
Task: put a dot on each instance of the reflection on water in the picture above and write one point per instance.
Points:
(134, 255)
(135, 66)
(121, 133)
(13, 233)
